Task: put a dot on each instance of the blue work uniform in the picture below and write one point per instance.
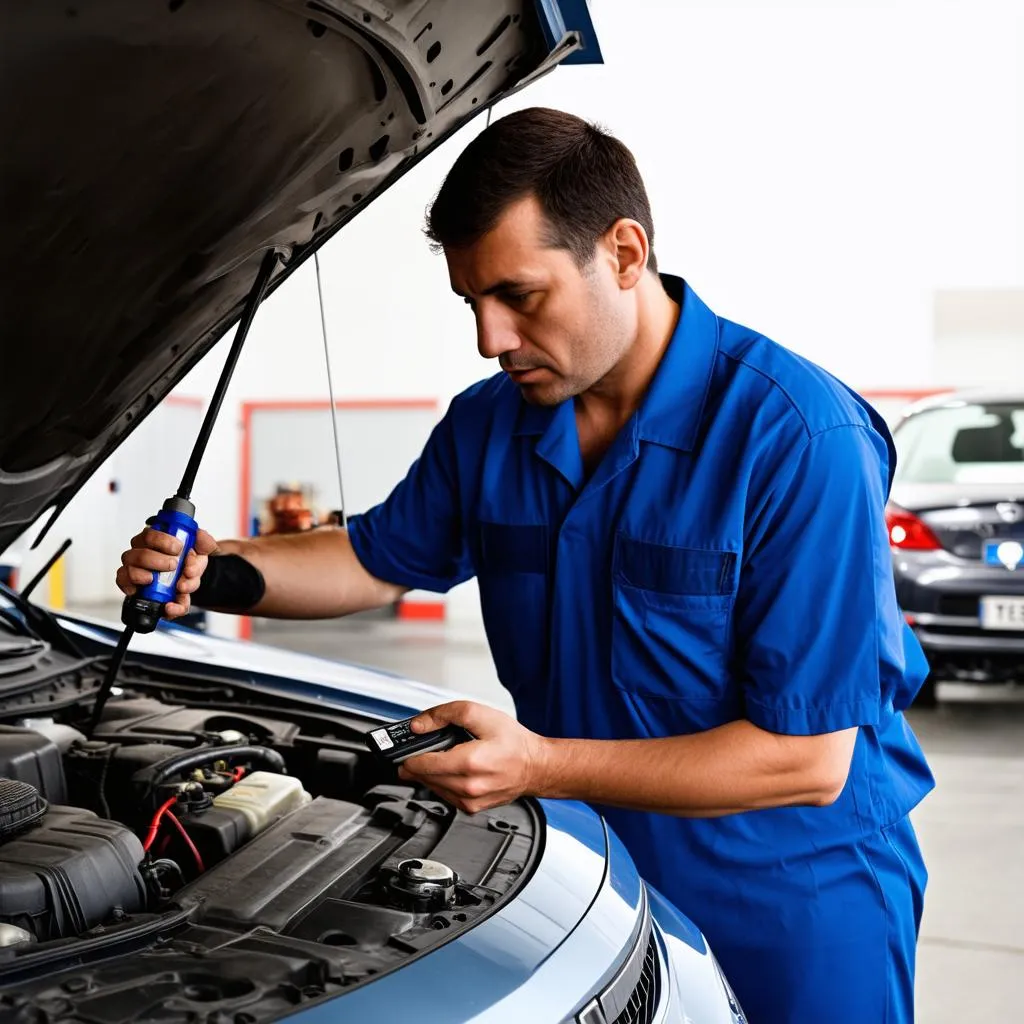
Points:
(727, 559)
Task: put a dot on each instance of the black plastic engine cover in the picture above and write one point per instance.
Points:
(69, 873)
(218, 832)
(29, 756)
(276, 875)
(144, 719)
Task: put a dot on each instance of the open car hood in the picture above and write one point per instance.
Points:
(154, 150)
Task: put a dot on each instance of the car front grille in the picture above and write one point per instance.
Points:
(966, 666)
(634, 994)
(643, 1001)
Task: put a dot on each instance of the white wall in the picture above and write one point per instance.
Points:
(817, 169)
(979, 336)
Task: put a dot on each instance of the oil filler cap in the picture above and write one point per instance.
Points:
(424, 885)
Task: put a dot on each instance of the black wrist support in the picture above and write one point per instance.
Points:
(230, 582)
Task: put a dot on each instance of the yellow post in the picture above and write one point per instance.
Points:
(55, 582)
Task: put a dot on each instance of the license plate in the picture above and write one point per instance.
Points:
(1002, 613)
(1006, 553)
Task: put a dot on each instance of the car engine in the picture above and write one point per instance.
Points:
(244, 850)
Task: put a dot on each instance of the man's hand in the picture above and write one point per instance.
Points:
(503, 762)
(152, 552)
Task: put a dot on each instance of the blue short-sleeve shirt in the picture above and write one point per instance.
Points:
(727, 559)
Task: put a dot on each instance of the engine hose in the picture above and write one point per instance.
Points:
(150, 777)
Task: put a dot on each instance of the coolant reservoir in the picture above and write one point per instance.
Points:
(263, 797)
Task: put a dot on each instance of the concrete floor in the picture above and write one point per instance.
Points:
(971, 952)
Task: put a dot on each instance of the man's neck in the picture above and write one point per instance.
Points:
(617, 396)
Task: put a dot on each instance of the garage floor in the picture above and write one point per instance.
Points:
(971, 954)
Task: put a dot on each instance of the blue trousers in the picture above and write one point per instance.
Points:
(851, 961)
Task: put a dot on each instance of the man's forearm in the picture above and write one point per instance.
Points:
(735, 767)
(311, 575)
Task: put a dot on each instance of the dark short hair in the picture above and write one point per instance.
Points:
(584, 179)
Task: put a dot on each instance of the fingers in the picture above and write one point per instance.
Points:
(454, 762)
(124, 584)
(157, 540)
(188, 585)
(443, 714)
(195, 566)
(191, 575)
(134, 576)
(152, 552)
(474, 718)
(446, 794)
(138, 568)
(130, 578)
(175, 609)
(460, 785)
(461, 793)
(154, 561)
(205, 544)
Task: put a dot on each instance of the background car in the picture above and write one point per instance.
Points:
(956, 529)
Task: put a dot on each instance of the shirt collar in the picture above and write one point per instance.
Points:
(559, 444)
(671, 411)
(673, 407)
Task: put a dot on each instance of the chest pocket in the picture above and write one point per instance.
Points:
(670, 629)
(512, 571)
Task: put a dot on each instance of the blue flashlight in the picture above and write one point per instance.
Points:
(144, 609)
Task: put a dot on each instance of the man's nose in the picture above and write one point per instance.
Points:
(495, 333)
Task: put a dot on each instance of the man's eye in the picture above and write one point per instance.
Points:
(517, 298)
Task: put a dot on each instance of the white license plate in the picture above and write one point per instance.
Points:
(1002, 613)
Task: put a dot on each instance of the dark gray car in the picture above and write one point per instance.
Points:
(956, 529)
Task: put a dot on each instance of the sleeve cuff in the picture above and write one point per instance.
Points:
(812, 721)
(376, 564)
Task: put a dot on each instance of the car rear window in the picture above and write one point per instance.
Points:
(962, 442)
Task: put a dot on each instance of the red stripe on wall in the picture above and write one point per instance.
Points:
(421, 610)
(910, 394)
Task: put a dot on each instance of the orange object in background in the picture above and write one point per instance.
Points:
(288, 512)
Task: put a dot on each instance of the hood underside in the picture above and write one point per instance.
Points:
(155, 149)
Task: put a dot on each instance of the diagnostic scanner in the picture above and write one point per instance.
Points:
(396, 742)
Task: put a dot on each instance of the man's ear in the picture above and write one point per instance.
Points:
(628, 241)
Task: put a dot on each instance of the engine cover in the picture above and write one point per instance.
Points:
(29, 756)
(312, 848)
(70, 873)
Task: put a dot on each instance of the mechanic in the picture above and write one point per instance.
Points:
(677, 527)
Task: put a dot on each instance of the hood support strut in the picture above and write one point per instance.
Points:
(184, 492)
(252, 302)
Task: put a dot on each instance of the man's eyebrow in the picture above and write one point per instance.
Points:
(504, 285)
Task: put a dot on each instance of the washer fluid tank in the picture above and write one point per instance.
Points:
(263, 797)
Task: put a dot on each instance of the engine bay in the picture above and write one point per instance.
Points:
(212, 850)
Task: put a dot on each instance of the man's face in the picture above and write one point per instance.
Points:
(555, 329)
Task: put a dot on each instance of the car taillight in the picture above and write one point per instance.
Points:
(908, 533)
